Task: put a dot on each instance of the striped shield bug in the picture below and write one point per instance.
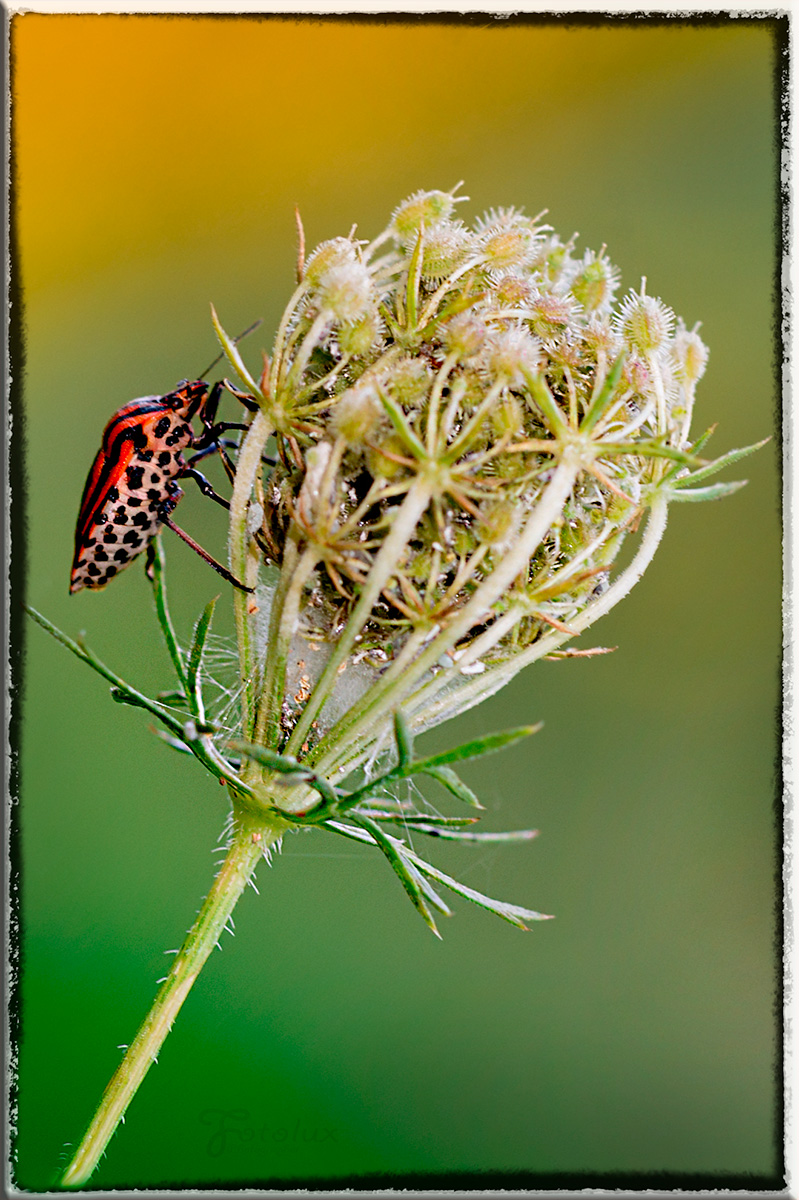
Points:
(132, 487)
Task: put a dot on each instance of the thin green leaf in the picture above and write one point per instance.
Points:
(403, 738)
(234, 358)
(509, 912)
(91, 660)
(474, 749)
(350, 831)
(172, 699)
(296, 773)
(406, 872)
(467, 835)
(397, 418)
(156, 573)
(716, 491)
(546, 402)
(719, 464)
(285, 764)
(454, 785)
(601, 402)
(174, 742)
(698, 445)
(653, 449)
(414, 819)
(196, 656)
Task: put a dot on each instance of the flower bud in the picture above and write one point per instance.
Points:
(359, 337)
(644, 322)
(464, 335)
(345, 291)
(595, 282)
(509, 353)
(409, 380)
(690, 354)
(446, 245)
(357, 414)
(507, 239)
(421, 209)
(335, 253)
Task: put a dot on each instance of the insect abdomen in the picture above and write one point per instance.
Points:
(131, 480)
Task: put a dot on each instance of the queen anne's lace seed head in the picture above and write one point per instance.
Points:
(462, 383)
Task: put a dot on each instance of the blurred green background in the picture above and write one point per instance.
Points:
(157, 162)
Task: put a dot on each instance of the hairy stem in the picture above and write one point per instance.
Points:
(251, 837)
(243, 562)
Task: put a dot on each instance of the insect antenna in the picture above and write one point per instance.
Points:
(236, 341)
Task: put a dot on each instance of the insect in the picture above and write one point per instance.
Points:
(132, 486)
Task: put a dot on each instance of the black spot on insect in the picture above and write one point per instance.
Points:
(154, 494)
(134, 475)
(164, 459)
(121, 556)
(100, 555)
(162, 427)
(132, 538)
(89, 542)
(141, 520)
(101, 518)
(112, 494)
(139, 438)
(172, 439)
(93, 570)
(155, 477)
(145, 455)
(155, 506)
(109, 536)
(134, 501)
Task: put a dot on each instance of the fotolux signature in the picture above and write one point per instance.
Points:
(236, 1127)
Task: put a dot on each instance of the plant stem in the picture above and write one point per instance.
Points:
(252, 835)
(244, 563)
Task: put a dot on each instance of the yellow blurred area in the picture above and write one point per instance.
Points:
(134, 130)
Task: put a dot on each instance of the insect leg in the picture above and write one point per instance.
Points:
(223, 571)
(203, 484)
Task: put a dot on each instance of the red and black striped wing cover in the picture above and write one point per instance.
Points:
(129, 481)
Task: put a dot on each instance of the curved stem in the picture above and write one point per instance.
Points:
(243, 563)
(251, 837)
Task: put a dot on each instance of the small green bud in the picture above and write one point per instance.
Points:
(409, 380)
(345, 291)
(357, 415)
(595, 283)
(552, 314)
(644, 322)
(508, 239)
(359, 337)
(690, 354)
(509, 353)
(421, 209)
(335, 253)
(446, 245)
(512, 291)
(464, 335)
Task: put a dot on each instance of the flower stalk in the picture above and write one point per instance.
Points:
(467, 428)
